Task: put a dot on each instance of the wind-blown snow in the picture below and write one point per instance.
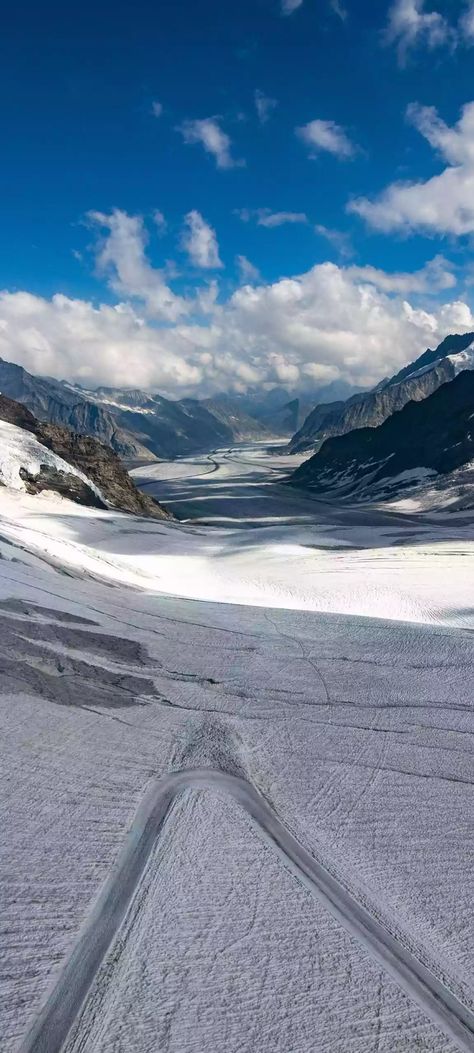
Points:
(463, 359)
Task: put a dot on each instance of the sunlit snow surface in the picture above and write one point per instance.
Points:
(357, 728)
(19, 449)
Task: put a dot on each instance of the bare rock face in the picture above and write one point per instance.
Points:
(102, 466)
(369, 409)
(95, 460)
(435, 435)
(60, 403)
(64, 483)
(15, 413)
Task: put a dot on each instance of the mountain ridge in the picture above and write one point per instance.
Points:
(414, 382)
(432, 437)
(141, 426)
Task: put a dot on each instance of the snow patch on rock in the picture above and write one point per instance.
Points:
(19, 449)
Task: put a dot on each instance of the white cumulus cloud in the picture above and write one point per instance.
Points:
(410, 25)
(326, 136)
(121, 257)
(329, 323)
(209, 134)
(338, 7)
(200, 242)
(266, 218)
(443, 204)
(434, 277)
(339, 239)
(466, 23)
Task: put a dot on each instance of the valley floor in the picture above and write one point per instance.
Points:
(321, 654)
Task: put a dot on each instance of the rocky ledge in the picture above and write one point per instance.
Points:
(95, 460)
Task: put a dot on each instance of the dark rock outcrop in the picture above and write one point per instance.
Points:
(64, 483)
(95, 460)
(369, 409)
(435, 434)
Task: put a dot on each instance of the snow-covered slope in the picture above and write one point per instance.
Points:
(40, 456)
(23, 458)
(356, 730)
(313, 559)
(459, 360)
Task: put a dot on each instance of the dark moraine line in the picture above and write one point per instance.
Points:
(50, 1030)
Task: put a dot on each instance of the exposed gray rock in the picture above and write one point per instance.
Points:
(95, 460)
(435, 434)
(369, 409)
(60, 403)
(64, 483)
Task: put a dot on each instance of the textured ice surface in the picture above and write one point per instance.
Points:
(358, 730)
(267, 545)
(223, 950)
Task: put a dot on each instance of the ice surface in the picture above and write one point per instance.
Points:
(357, 729)
(253, 945)
(316, 557)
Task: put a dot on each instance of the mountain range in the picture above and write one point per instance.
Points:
(369, 409)
(374, 444)
(140, 426)
(429, 440)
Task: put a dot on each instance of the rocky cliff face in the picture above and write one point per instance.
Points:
(66, 484)
(434, 436)
(165, 428)
(413, 383)
(60, 403)
(136, 425)
(93, 459)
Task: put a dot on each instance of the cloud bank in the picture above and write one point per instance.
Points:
(443, 204)
(330, 323)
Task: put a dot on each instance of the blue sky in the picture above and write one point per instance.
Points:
(249, 128)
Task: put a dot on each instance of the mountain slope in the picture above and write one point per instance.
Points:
(36, 456)
(277, 410)
(427, 438)
(415, 382)
(165, 428)
(64, 404)
(141, 426)
(134, 424)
